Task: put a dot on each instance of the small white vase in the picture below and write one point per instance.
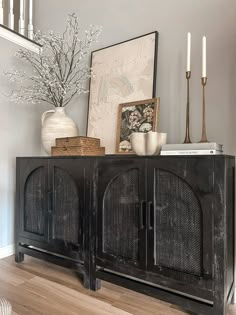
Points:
(56, 124)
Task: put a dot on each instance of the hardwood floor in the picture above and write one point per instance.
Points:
(35, 287)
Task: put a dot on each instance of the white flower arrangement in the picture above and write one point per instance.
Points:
(60, 70)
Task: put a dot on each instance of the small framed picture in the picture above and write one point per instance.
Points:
(141, 116)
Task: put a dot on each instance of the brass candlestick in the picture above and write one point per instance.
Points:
(187, 137)
(204, 136)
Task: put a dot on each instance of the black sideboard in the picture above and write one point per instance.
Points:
(162, 225)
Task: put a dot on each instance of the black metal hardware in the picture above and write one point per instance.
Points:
(150, 215)
(49, 202)
(142, 214)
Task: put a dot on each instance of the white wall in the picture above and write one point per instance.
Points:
(124, 19)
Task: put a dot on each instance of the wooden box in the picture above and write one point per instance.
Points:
(78, 141)
(78, 151)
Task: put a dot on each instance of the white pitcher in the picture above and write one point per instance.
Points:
(56, 124)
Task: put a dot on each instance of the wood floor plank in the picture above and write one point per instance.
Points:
(68, 298)
(232, 310)
(12, 275)
(47, 270)
(108, 293)
(139, 306)
(35, 287)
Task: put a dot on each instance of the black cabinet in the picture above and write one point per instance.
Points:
(163, 226)
(163, 223)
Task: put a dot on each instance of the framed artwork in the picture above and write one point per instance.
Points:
(141, 116)
(124, 72)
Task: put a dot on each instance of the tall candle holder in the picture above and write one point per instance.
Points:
(204, 136)
(187, 136)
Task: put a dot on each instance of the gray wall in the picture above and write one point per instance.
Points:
(124, 19)
(121, 20)
(20, 136)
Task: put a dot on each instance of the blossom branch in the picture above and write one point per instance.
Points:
(59, 70)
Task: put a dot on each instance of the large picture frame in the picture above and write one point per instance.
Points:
(124, 72)
(140, 116)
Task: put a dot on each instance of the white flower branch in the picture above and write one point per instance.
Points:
(59, 70)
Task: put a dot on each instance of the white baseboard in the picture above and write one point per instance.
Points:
(7, 251)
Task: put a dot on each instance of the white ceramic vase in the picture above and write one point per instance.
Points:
(56, 124)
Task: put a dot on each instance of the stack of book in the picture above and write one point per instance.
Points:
(208, 148)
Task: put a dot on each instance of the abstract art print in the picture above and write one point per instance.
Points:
(141, 116)
(124, 72)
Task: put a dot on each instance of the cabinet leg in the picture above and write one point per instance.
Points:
(95, 284)
(19, 257)
(220, 309)
(90, 283)
(86, 281)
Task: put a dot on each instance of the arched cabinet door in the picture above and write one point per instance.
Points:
(180, 209)
(121, 214)
(67, 206)
(32, 206)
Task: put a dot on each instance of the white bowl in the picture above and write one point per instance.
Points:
(138, 142)
(147, 143)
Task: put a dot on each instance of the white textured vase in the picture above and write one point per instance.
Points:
(56, 124)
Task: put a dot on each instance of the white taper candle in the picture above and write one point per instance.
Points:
(188, 51)
(204, 57)
(11, 16)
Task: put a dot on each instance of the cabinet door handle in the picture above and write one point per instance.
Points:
(49, 201)
(150, 215)
(142, 214)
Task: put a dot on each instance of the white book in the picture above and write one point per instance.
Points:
(193, 146)
(192, 152)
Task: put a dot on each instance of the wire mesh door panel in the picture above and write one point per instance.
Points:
(33, 207)
(120, 221)
(180, 219)
(177, 225)
(119, 209)
(67, 205)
